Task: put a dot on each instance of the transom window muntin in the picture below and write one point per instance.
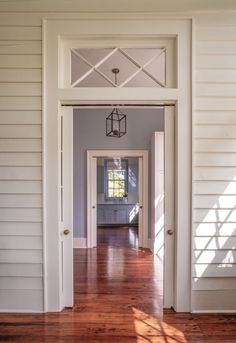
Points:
(139, 67)
(116, 178)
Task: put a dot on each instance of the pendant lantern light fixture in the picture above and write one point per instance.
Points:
(116, 120)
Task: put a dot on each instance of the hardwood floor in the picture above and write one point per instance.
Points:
(118, 298)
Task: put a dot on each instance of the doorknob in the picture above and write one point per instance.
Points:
(141, 207)
(66, 232)
(93, 206)
(170, 232)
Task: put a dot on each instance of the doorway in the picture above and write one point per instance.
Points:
(118, 201)
(89, 134)
(59, 36)
(129, 209)
(150, 236)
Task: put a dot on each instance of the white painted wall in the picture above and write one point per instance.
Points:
(21, 254)
(214, 162)
(214, 148)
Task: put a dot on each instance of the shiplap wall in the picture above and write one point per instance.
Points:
(21, 248)
(214, 159)
(214, 164)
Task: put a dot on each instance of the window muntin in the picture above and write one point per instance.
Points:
(139, 67)
(116, 178)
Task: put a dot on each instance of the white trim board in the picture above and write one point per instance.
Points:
(214, 311)
(20, 311)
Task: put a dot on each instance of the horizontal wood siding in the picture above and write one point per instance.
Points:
(214, 166)
(21, 241)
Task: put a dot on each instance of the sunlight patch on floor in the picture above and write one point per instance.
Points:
(153, 330)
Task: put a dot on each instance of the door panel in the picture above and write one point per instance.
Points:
(162, 202)
(169, 208)
(141, 202)
(157, 207)
(91, 201)
(66, 227)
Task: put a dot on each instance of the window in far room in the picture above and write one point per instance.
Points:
(116, 178)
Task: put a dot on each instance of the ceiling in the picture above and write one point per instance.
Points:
(116, 6)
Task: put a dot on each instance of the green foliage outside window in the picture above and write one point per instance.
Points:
(116, 179)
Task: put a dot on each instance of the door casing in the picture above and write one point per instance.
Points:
(142, 29)
(92, 156)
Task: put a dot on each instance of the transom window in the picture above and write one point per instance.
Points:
(116, 178)
(139, 67)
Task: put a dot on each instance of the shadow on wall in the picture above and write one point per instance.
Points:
(214, 241)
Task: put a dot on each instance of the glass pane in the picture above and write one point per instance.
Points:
(121, 174)
(116, 184)
(117, 174)
(116, 177)
(116, 193)
(78, 67)
(94, 79)
(143, 56)
(157, 68)
(143, 80)
(118, 60)
(94, 55)
(110, 174)
(110, 193)
(120, 193)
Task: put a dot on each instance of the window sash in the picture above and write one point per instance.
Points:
(116, 186)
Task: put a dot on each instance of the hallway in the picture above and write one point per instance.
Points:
(117, 286)
(118, 298)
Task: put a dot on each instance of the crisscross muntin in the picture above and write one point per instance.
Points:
(141, 68)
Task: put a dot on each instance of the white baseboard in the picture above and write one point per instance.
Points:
(20, 311)
(79, 242)
(214, 311)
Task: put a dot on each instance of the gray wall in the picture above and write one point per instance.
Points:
(89, 134)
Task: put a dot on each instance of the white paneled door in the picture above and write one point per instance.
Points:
(162, 202)
(66, 218)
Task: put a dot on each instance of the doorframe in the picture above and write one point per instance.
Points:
(143, 27)
(143, 226)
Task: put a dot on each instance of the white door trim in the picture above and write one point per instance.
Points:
(67, 206)
(169, 204)
(54, 32)
(92, 156)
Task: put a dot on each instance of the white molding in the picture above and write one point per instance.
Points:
(44, 187)
(73, 95)
(79, 242)
(20, 311)
(214, 311)
(66, 205)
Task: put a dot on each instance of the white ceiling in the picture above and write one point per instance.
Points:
(116, 5)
